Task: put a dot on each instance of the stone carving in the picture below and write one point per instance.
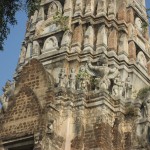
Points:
(112, 9)
(72, 79)
(78, 7)
(66, 40)
(117, 89)
(83, 80)
(41, 15)
(8, 90)
(101, 37)
(142, 59)
(123, 44)
(101, 8)
(132, 51)
(54, 8)
(89, 39)
(35, 49)
(22, 55)
(63, 81)
(138, 24)
(102, 72)
(89, 7)
(128, 87)
(112, 40)
(50, 44)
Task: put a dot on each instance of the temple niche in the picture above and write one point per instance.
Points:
(101, 8)
(51, 44)
(54, 8)
(35, 49)
(89, 39)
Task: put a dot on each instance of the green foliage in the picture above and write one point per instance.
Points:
(143, 93)
(82, 75)
(130, 111)
(8, 9)
(61, 20)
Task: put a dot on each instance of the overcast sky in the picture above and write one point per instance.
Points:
(9, 57)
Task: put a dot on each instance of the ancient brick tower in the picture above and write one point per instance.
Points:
(79, 77)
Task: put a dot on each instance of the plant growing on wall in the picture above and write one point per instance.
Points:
(61, 20)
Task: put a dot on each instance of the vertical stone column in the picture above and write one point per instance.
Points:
(112, 40)
(77, 39)
(130, 16)
(132, 51)
(122, 12)
(102, 40)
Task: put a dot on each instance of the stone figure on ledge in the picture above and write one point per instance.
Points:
(8, 90)
(72, 79)
(83, 79)
(102, 72)
(118, 87)
(63, 81)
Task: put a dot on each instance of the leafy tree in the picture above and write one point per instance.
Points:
(8, 9)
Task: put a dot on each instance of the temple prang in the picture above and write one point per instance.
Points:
(82, 79)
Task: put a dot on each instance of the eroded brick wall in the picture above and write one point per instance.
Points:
(22, 118)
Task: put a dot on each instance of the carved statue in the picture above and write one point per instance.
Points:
(128, 87)
(8, 92)
(117, 89)
(102, 72)
(22, 55)
(82, 79)
(72, 79)
(50, 44)
(63, 81)
(54, 8)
